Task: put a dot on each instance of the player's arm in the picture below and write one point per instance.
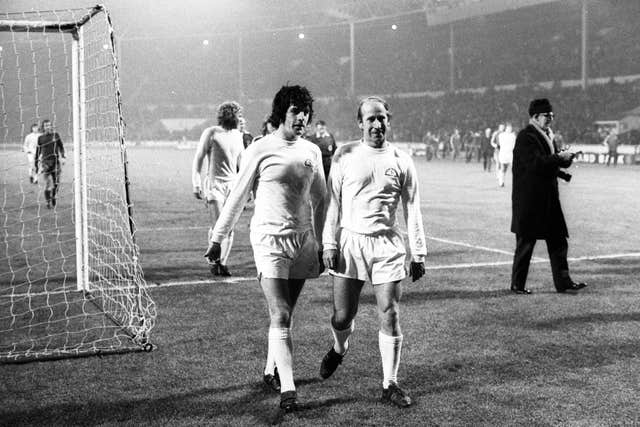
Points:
(198, 160)
(410, 196)
(332, 216)
(493, 142)
(60, 146)
(235, 203)
(37, 156)
(318, 194)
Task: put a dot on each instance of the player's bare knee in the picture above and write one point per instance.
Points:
(390, 318)
(280, 317)
(342, 319)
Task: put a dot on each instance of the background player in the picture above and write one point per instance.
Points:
(48, 159)
(286, 174)
(247, 138)
(506, 140)
(327, 144)
(221, 145)
(369, 178)
(29, 147)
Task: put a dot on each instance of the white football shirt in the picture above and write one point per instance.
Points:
(289, 187)
(222, 148)
(365, 186)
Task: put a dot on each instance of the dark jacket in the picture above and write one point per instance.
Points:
(536, 210)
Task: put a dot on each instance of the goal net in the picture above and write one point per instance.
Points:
(70, 279)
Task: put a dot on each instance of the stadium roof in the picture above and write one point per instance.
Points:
(170, 18)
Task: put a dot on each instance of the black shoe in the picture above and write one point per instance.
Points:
(572, 286)
(289, 401)
(520, 291)
(273, 381)
(53, 202)
(223, 270)
(48, 204)
(330, 363)
(394, 395)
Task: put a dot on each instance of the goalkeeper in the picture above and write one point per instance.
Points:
(48, 160)
(222, 146)
(368, 180)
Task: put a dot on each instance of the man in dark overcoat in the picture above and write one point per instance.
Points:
(536, 210)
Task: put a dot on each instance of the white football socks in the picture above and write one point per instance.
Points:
(281, 346)
(341, 338)
(390, 348)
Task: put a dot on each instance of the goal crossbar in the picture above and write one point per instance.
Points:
(23, 25)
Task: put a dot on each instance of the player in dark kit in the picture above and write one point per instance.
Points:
(327, 144)
(49, 153)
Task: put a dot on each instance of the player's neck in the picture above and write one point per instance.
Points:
(376, 144)
(282, 133)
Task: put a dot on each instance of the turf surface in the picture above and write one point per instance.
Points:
(474, 354)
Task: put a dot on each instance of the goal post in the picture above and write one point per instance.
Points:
(71, 283)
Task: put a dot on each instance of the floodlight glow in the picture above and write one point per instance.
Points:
(105, 46)
(205, 42)
(300, 36)
(394, 27)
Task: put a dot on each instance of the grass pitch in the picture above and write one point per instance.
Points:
(474, 354)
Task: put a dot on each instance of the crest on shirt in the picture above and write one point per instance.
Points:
(308, 163)
(391, 172)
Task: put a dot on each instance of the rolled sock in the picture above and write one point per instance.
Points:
(270, 365)
(281, 345)
(390, 348)
(341, 338)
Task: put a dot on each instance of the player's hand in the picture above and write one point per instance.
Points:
(416, 270)
(330, 258)
(566, 156)
(213, 253)
(197, 192)
(321, 263)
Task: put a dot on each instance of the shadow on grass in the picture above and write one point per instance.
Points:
(197, 270)
(528, 364)
(586, 318)
(410, 297)
(234, 401)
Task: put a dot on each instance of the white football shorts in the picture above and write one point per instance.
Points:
(291, 256)
(378, 258)
(216, 190)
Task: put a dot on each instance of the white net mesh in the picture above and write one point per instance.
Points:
(42, 312)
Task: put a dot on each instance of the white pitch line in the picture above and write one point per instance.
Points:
(469, 245)
(612, 256)
(149, 230)
(234, 280)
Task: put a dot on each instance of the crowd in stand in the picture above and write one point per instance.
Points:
(413, 62)
(413, 117)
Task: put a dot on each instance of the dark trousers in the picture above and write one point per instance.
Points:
(486, 160)
(556, 246)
